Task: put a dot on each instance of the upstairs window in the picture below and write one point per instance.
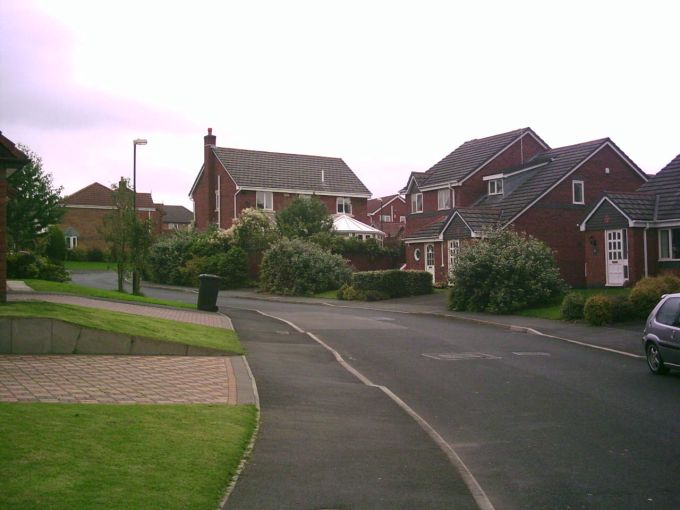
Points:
(265, 200)
(344, 205)
(444, 199)
(496, 187)
(386, 218)
(417, 203)
(577, 192)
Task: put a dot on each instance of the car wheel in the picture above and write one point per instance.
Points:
(654, 360)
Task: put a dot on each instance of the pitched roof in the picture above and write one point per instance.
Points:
(374, 204)
(274, 170)
(471, 155)
(97, 194)
(478, 219)
(346, 224)
(177, 214)
(432, 228)
(10, 155)
(534, 183)
(666, 184)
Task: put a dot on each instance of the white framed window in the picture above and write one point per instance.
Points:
(496, 187)
(71, 242)
(305, 196)
(454, 250)
(386, 218)
(577, 192)
(417, 202)
(344, 205)
(669, 244)
(444, 198)
(429, 255)
(265, 200)
(402, 219)
(416, 254)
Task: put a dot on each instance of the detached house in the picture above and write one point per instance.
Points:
(389, 215)
(231, 180)
(84, 213)
(512, 180)
(632, 235)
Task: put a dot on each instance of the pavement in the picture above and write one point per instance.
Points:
(120, 378)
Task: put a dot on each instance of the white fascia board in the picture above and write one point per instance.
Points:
(198, 178)
(664, 223)
(492, 177)
(417, 240)
(386, 204)
(305, 192)
(446, 225)
(502, 151)
(582, 227)
(564, 178)
(442, 185)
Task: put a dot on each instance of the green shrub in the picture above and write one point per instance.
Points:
(375, 295)
(503, 273)
(622, 309)
(76, 254)
(598, 310)
(231, 267)
(648, 291)
(167, 257)
(24, 264)
(572, 306)
(55, 249)
(296, 267)
(95, 255)
(393, 282)
(350, 293)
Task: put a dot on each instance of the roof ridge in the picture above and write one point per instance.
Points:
(277, 153)
(597, 140)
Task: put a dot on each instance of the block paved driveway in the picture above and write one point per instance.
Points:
(120, 379)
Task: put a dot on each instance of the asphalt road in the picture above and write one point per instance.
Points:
(539, 423)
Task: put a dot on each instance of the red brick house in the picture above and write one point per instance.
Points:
(512, 180)
(176, 217)
(85, 211)
(389, 215)
(11, 160)
(231, 180)
(632, 235)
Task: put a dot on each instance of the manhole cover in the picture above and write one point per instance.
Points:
(530, 353)
(456, 356)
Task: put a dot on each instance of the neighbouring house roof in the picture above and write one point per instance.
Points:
(471, 156)
(666, 185)
(294, 172)
(177, 214)
(345, 224)
(10, 156)
(98, 195)
(375, 204)
(393, 229)
(474, 217)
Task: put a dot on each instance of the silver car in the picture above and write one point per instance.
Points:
(661, 337)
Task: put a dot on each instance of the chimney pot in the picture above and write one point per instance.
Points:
(210, 131)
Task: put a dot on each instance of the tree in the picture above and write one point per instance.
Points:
(304, 217)
(117, 229)
(141, 239)
(55, 247)
(253, 231)
(35, 202)
(503, 273)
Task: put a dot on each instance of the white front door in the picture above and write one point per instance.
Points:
(617, 257)
(429, 259)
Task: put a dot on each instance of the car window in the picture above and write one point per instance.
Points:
(668, 313)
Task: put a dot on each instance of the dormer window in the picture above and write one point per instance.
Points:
(416, 202)
(496, 187)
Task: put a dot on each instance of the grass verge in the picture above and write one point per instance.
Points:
(328, 294)
(82, 290)
(82, 456)
(74, 265)
(553, 310)
(130, 324)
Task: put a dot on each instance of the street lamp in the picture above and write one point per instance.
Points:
(135, 143)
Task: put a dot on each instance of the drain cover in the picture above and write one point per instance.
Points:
(456, 356)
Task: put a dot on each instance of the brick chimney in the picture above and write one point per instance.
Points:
(209, 142)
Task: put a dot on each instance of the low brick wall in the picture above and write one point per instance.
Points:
(52, 336)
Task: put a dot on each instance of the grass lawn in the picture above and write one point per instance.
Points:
(329, 294)
(162, 329)
(82, 290)
(90, 266)
(552, 311)
(82, 456)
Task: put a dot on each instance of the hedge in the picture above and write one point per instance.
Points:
(393, 282)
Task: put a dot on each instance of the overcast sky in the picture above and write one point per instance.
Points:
(391, 87)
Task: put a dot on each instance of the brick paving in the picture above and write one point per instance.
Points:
(176, 314)
(117, 379)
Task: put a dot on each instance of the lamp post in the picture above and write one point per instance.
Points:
(135, 143)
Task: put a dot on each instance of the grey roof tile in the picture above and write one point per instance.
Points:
(177, 214)
(274, 170)
(666, 184)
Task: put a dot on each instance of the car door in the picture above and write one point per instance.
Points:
(667, 329)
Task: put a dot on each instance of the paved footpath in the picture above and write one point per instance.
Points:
(125, 379)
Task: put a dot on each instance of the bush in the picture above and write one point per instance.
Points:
(393, 282)
(76, 255)
(167, 257)
(55, 249)
(24, 264)
(296, 267)
(503, 273)
(349, 293)
(95, 255)
(572, 306)
(598, 310)
(622, 309)
(231, 267)
(648, 291)
(347, 246)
